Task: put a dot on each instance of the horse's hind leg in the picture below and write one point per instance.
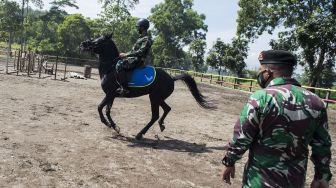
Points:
(166, 109)
(155, 116)
(108, 115)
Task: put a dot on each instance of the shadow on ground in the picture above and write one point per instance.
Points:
(167, 143)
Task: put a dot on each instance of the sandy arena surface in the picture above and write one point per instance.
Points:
(51, 136)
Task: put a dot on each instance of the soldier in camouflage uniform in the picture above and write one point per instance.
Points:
(134, 58)
(276, 125)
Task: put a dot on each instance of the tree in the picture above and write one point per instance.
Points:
(72, 32)
(116, 19)
(9, 22)
(121, 5)
(218, 55)
(10, 19)
(42, 27)
(197, 51)
(116, 11)
(310, 29)
(176, 25)
(64, 3)
(237, 54)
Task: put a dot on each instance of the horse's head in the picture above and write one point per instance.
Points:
(103, 46)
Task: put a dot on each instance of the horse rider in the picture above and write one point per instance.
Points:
(276, 125)
(134, 58)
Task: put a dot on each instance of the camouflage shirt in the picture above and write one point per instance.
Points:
(276, 125)
(141, 48)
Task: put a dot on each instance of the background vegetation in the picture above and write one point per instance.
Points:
(307, 28)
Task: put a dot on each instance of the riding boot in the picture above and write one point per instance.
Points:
(122, 90)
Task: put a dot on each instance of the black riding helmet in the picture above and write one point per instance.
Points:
(143, 23)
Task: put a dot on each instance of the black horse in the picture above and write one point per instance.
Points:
(158, 91)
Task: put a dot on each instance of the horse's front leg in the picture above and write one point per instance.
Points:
(108, 115)
(101, 106)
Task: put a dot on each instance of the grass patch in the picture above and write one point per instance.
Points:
(332, 106)
(15, 46)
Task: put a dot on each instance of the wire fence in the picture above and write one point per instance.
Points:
(57, 67)
(43, 66)
(249, 85)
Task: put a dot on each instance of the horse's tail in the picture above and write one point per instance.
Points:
(190, 82)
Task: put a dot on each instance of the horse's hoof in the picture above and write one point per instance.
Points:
(162, 128)
(139, 136)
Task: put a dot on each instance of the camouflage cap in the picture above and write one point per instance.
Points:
(277, 57)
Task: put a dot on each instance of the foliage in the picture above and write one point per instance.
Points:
(310, 29)
(218, 55)
(176, 26)
(225, 56)
(197, 51)
(124, 5)
(71, 33)
(116, 19)
(124, 33)
(9, 16)
(42, 27)
(251, 74)
(237, 54)
(41, 30)
(64, 3)
(116, 11)
(10, 19)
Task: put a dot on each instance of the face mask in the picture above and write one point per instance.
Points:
(261, 80)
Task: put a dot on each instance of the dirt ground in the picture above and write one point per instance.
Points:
(51, 136)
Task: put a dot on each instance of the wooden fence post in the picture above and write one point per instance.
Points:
(14, 60)
(210, 79)
(235, 82)
(18, 63)
(56, 67)
(33, 64)
(201, 77)
(251, 86)
(29, 63)
(40, 65)
(65, 67)
(7, 60)
(327, 98)
(23, 61)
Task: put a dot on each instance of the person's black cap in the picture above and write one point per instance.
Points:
(277, 57)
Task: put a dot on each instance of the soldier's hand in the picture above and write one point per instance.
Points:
(227, 173)
(122, 55)
(319, 184)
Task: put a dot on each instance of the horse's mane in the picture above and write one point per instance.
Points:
(111, 51)
(114, 46)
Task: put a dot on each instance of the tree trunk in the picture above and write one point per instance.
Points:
(10, 41)
(316, 72)
(22, 25)
(9, 51)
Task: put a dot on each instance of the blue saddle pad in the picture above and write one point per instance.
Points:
(142, 77)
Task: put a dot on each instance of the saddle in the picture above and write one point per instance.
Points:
(142, 76)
